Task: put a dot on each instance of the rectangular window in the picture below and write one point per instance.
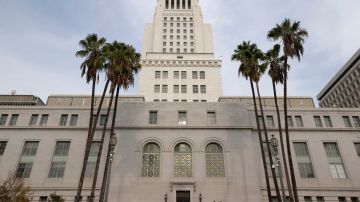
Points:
(183, 89)
(63, 120)
(176, 74)
(153, 117)
(157, 89)
(183, 74)
(320, 199)
(26, 160)
(164, 88)
(182, 118)
(290, 121)
(354, 199)
(318, 122)
(270, 121)
(328, 122)
(347, 121)
(2, 147)
(194, 74)
(43, 199)
(91, 164)
(202, 74)
(58, 163)
(203, 89)
(176, 88)
(33, 119)
(13, 119)
(211, 118)
(303, 159)
(157, 74)
(3, 119)
(357, 147)
(102, 120)
(73, 119)
(195, 89)
(356, 120)
(307, 198)
(165, 74)
(299, 121)
(341, 199)
(43, 120)
(335, 161)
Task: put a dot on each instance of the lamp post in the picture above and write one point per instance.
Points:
(275, 144)
(113, 142)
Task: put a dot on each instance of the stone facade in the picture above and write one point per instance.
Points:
(234, 129)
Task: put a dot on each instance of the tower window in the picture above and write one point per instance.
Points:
(183, 74)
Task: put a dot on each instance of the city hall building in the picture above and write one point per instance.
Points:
(179, 140)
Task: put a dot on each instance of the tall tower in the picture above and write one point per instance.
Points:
(178, 62)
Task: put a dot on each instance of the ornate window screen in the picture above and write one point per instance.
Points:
(182, 160)
(151, 160)
(214, 160)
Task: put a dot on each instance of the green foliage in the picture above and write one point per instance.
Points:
(55, 198)
(14, 189)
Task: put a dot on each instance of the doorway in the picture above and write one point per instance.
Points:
(182, 196)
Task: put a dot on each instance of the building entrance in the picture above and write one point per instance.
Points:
(182, 196)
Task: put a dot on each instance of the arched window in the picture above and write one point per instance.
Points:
(182, 160)
(151, 160)
(214, 160)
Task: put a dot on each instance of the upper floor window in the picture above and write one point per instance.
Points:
(203, 88)
(157, 74)
(164, 88)
(73, 119)
(290, 121)
(93, 155)
(157, 89)
(270, 121)
(211, 118)
(214, 160)
(182, 160)
(299, 121)
(3, 119)
(357, 147)
(202, 74)
(335, 161)
(194, 74)
(318, 122)
(151, 160)
(356, 120)
(183, 89)
(58, 163)
(43, 120)
(63, 120)
(183, 74)
(102, 120)
(176, 74)
(303, 159)
(195, 89)
(13, 119)
(328, 122)
(347, 121)
(2, 147)
(26, 160)
(165, 74)
(33, 119)
(153, 117)
(182, 119)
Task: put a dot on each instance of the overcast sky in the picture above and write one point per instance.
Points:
(38, 39)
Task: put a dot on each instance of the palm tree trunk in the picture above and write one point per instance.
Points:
(278, 195)
(88, 143)
(261, 143)
(282, 144)
(103, 185)
(94, 124)
(291, 166)
(101, 147)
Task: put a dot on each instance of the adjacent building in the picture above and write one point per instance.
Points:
(179, 140)
(343, 90)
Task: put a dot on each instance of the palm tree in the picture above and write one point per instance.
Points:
(292, 37)
(248, 55)
(123, 62)
(276, 65)
(92, 65)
